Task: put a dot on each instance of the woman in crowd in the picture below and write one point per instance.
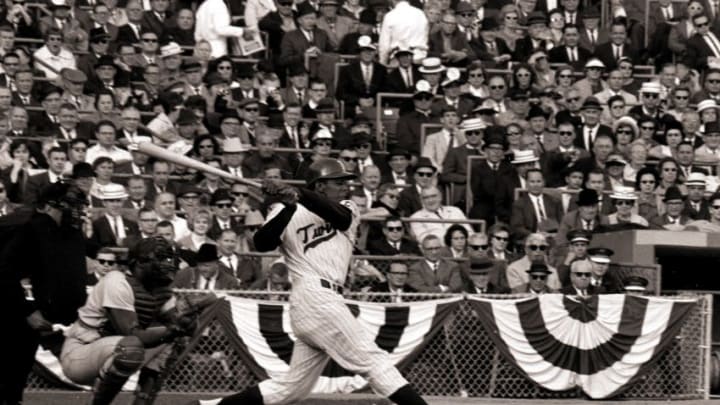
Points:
(456, 242)
(627, 67)
(104, 168)
(708, 110)
(225, 68)
(625, 130)
(203, 53)
(668, 171)
(636, 160)
(624, 198)
(476, 87)
(523, 78)
(557, 23)
(514, 139)
(544, 74)
(205, 147)
(673, 135)
(106, 108)
(564, 79)
(647, 128)
(23, 166)
(499, 238)
(509, 28)
(616, 109)
(645, 184)
(680, 101)
(199, 226)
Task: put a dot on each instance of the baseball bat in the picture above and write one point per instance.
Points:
(159, 152)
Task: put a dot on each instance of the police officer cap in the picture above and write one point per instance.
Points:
(579, 235)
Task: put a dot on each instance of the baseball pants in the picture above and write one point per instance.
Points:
(325, 329)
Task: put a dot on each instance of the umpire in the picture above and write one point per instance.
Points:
(46, 247)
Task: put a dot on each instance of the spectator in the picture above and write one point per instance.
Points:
(105, 134)
(624, 200)
(336, 26)
(265, 156)
(183, 258)
(586, 216)
(437, 144)
(147, 225)
(199, 225)
(538, 274)
(696, 206)
(536, 246)
(245, 269)
(56, 167)
(635, 285)
(222, 202)
(403, 26)
(580, 276)
(535, 211)
(499, 235)
(456, 242)
(614, 168)
(253, 222)
(408, 129)
(105, 262)
(577, 241)
(306, 41)
(478, 281)
(434, 273)
(394, 241)
(165, 209)
(673, 218)
(207, 274)
(370, 180)
(601, 281)
(492, 193)
(395, 285)
(53, 54)
(112, 229)
(433, 209)
(6, 207)
(277, 280)
(455, 165)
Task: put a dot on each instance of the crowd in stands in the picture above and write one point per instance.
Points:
(527, 126)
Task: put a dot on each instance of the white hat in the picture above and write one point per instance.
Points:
(705, 104)
(624, 193)
(112, 191)
(422, 86)
(171, 49)
(431, 65)
(138, 140)
(594, 62)
(233, 145)
(524, 156)
(472, 124)
(180, 147)
(696, 179)
(651, 87)
(365, 42)
(451, 76)
(322, 133)
(626, 121)
(535, 56)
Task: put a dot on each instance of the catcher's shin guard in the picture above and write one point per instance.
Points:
(148, 387)
(127, 359)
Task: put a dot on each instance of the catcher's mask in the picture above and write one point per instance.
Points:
(69, 199)
(153, 261)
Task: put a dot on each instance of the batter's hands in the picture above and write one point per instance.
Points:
(282, 192)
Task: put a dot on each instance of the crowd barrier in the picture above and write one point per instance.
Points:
(460, 360)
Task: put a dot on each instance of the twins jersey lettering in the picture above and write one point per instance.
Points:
(313, 247)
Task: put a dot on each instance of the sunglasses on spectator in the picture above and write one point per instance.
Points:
(579, 274)
(107, 262)
(393, 196)
(476, 75)
(624, 131)
(648, 128)
(151, 40)
(682, 97)
(513, 133)
(473, 133)
(224, 205)
(402, 273)
(478, 247)
(349, 158)
(565, 76)
(2, 189)
(252, 109)
(651, 95)
(424, 174)
(252, 228)
(716, 207)
(501, 238)
(467, 15)
(394, 228)
(714, 81)
(498, 87)
(624, 202)
(224, 67)
(364, 146)
(565, 133)
(239, 194)
(534, 277)
(573, 99)
(541, 248)
(647, 182)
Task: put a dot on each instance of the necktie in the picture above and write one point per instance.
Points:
(299, 96)
(572, 55)
(397, 246)
(617, 52)
(716, 7)
(25, 100)
(592, 38)
(588, 225)
(451, 143)
(408, 72)
(230, 265)
(311, 37)
(207, 284)
(713, 44)
(435, 267)
(494, 166)
(541, 211)
(696, 206)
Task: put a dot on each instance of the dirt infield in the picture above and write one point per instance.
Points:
(63, 398)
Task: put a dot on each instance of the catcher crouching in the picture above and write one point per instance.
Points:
(128, 324)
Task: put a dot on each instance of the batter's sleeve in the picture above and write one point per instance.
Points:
(116, 292)
(338, 215)
(269, 237)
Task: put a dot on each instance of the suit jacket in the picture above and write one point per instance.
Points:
(18, 102)
(559, 54)
(424, 279)
(524, 221)
(659, 221)
(703, 213)
(294, 44)
(247, 271)
(458, 42)
(487, 56)
(604, 52)
(455, 170)
(289, 96)
(525, 288)
(103, 234)
(409, 129)
(342, 26)
(34, 186)
(384, 287)
(409, 201)
(189, 276)
(126, 35)
(492, 193)
(524, 47)
(602, 36)
(394, 82)
(381, 247)
(351, 84)
(656, 16)
(436, 147)
(591, 290)
(580, 137)
(151, 22)
(272, 24)
(698, 51)
(215, 229)
(464, 106)
(679, 35)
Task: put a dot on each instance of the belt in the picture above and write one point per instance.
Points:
(331, 286)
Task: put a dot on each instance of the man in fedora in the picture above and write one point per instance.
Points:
(437, 144)
(591, 35)
(402, 79)
(207, 273)
(696, 206)
(541, 140)
(308, 40)
(362, 79)
(592, 83)
(423, 177)
(585, 216)
(537, 284)
(432, 70)
(477, 279)
(535, 40)
(456, 162)
(408, 129)
(488, 47)
(673, 219)
(449, 44)
(534, 211)
(336, 26)
(575, 248)
(710, 150)
(591, 127)
(491, 191)
(171, 62)
(451, 94)
(112, 228)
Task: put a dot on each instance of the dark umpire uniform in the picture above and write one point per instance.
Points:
(34, 246)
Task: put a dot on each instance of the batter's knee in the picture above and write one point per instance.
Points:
(282, 392)
(128, 356)
(385, 379)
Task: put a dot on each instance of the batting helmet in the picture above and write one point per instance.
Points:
(327, 169)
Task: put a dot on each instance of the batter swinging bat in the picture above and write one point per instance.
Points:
(156, 151)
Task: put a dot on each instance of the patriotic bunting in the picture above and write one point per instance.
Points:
(600, 344)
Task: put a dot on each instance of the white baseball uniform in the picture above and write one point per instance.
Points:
(325, 327)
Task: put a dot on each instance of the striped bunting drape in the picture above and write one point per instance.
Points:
(600, 344)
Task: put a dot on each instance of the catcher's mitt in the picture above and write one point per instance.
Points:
(281, 192)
